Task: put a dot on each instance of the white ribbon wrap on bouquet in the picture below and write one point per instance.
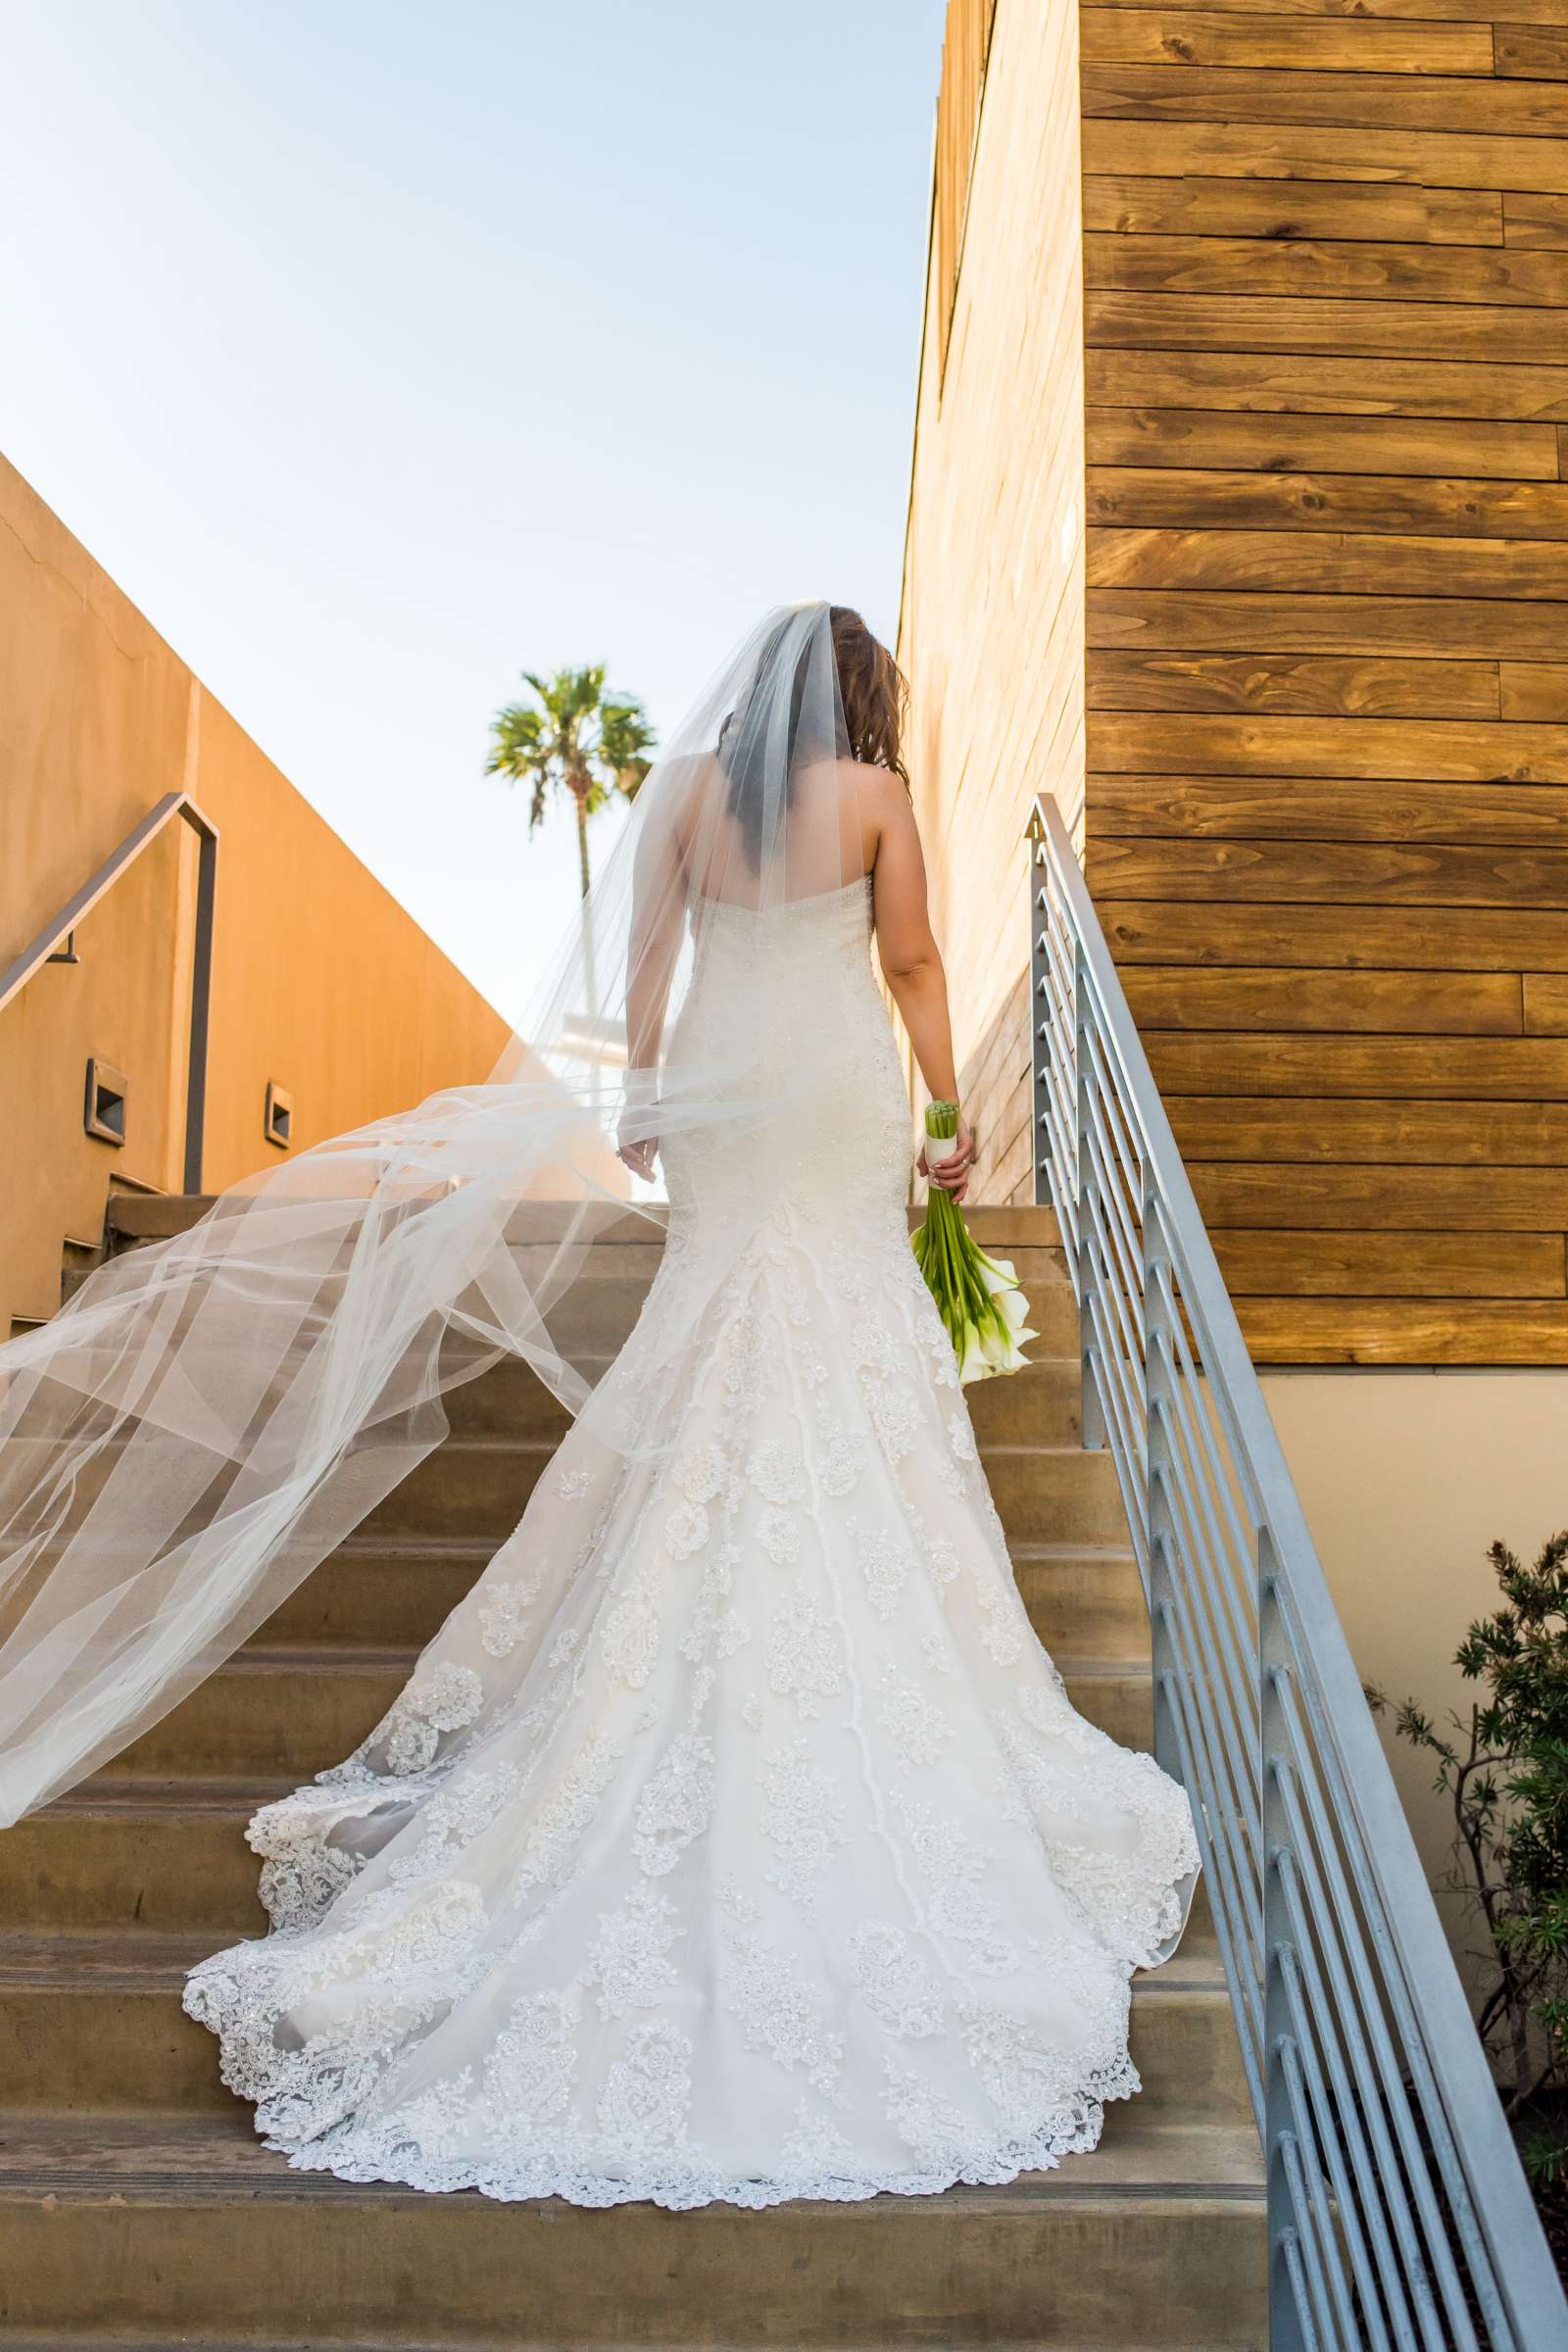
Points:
(939, 1149)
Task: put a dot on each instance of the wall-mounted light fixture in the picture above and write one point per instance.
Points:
(277, 1123)
(104, 1114)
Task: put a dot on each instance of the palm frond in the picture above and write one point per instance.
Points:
(576, 736)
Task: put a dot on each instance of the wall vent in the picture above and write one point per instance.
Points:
(104, 1114)
(277, 1122)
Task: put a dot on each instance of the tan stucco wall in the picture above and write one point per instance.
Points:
(1405, 1478)
(320, 980)
(990, 627)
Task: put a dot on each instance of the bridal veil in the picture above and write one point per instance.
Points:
(210, 1417)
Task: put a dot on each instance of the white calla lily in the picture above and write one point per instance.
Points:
(978, 1297)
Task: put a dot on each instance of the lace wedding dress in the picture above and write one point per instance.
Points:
(735, 1837)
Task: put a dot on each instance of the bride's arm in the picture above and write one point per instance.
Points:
(658, 918)
(653, 949)
(660, 889)
(911, 963)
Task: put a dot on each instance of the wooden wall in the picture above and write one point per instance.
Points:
(1326, 323)
(992, 624)
(965, 43)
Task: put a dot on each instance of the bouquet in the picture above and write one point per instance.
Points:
(977, 1297)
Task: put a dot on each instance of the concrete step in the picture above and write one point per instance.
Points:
(613, 1274)
(92, 2022)
(185, 2230)
(467, 1489)
(473, 1489)
(397, 1596)
(605, 1300)
(133, 1222)
(467, 1496)
(1036, 1407)
(164, 1858)
(170, 1858)
(1059, 1495)
(135, 1218)
(290, 1713)
(1085, 1599)
(509, 1404)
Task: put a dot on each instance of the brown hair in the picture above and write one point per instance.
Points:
(873, 690)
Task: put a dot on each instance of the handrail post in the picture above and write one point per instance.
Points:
(1287, 2321)
(201, 999)
(1159, 1372)
(40, 949)
(1091, 1418)
(1038, 1020)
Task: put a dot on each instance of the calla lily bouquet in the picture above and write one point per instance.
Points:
(977, 1297)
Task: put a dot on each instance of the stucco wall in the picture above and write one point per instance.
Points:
(321, 981)
(991, 631)
(1407, 1477)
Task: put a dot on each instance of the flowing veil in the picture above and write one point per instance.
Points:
(208, 1418)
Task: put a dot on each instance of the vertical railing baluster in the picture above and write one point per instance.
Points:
(1040, 1040)
(1159, 1371)
(1090, 1415)
(1286, 2330)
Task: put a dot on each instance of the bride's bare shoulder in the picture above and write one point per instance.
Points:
(689, 779)
(883, 797)
(688, 771)
(870, 804)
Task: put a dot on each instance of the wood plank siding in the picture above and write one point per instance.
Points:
(1325, 803)
(965, 47)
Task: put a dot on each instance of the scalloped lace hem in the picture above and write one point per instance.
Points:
(685, 2189)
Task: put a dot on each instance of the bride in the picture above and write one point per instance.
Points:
(734, 1839)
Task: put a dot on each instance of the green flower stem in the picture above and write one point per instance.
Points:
(966, 1286)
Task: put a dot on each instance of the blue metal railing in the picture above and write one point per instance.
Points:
(1398, 2216)
(43, 948)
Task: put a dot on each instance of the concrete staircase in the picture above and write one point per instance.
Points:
(136, 2207)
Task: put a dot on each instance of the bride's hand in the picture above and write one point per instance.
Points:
(639, 1155)
(951, 1175)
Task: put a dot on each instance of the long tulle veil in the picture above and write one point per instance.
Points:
(208, 1418)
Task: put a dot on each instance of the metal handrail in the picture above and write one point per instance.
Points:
(1398, 2214)
(41, 947)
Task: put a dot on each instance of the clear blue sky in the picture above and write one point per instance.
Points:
(379, 348)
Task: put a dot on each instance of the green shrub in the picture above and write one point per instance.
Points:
(1505, 1774)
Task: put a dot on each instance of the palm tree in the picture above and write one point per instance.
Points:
(576, 736)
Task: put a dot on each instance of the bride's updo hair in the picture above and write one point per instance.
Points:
(871, 699)
(873, 690)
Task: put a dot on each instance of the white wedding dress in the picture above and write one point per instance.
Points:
(735, 1837)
